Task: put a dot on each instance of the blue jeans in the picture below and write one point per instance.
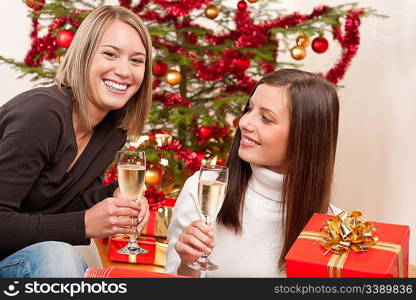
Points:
(45, 259)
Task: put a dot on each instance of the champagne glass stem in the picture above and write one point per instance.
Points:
(204, 257)
(133, 236)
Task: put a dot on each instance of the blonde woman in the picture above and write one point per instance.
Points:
(55, 143)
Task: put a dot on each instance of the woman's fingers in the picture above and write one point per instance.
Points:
(187, 251)
(198, 227)
(126, 222)
(121, 202)
(196, 242)
(144, 210)
(197, 235)
(124, 211)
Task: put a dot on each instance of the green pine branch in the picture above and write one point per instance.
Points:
(36, 73)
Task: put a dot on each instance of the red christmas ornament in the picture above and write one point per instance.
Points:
(35, 4)
(64, 38)
(159, 69)
(205, 132)
(320, 44)
(242, 5)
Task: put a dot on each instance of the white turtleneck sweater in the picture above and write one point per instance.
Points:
(254, 252)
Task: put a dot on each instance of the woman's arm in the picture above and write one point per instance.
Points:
(29, 135)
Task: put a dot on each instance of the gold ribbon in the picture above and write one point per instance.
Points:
(162, 220)
(160, 255)
(348, 232)
(132, 258)
(340, 254)
(163, 217)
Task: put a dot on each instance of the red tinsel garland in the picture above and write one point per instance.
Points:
(349, 43)
(181, 7)
(172, 99)
(247, 34)
(192, 159)
(155, 198)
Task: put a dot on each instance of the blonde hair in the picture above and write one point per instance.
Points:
(74, 68)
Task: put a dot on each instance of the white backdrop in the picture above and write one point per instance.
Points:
(377, 139)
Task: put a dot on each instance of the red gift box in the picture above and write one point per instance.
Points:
(159, 219)
(389, 257)
(156, 248)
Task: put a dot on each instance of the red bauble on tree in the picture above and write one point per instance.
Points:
(64, 38)
(204, 133)
(35, 4)
(242, 5)
(235, 122)
(159, 69)
(320, 44)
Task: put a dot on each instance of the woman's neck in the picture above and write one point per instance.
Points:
(80, 127)
(81, 130)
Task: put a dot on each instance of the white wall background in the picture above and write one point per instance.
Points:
(376, 159)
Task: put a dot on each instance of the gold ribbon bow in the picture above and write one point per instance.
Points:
(344, 232)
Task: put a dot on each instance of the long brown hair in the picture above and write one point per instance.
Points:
(73, 71)
(314, 110)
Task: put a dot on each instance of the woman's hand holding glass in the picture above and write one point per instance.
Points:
(131, 169)
(144, 214)
(212, 185)
(103, 219)
(195, 240)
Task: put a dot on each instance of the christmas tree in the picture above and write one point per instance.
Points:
(208, 58)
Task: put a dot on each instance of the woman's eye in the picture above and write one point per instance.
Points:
(110, 54)
(137, 60)
(265, 119)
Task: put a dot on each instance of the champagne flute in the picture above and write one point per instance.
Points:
(131, 169)
(211, 193)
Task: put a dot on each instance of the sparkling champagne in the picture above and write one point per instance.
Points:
(210, 196)
(131, 181)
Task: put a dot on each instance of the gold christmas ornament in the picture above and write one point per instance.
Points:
(152, 176)
(298, 52)
(303, 40)
(252, 1)
(173, 77)
(212, 11)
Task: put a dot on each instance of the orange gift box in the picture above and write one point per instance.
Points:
(156, 248)
(389, 257)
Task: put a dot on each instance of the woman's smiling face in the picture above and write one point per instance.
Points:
(265, 128)
(117, 67)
